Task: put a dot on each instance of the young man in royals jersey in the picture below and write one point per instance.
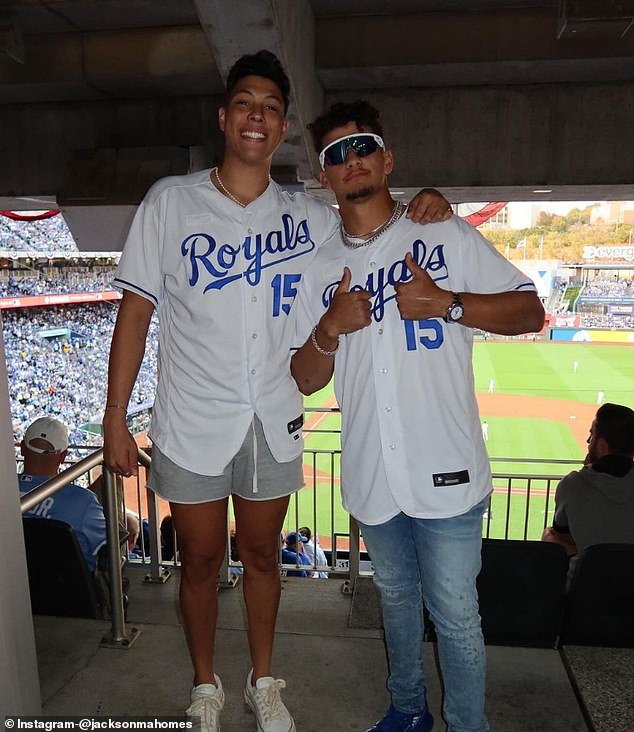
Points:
(390, 307)
(220, 255)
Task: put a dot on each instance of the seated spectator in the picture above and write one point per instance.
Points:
(293, 553)
(314, 552)
(595, 505)
(44, 449)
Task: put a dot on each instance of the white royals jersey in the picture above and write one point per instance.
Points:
(411, 436)
(223, 279)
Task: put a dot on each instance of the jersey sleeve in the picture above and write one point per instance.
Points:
(324, 220)
(308, 308)
(485, 269)
(139, 269)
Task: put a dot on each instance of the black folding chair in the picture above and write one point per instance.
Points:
(59, 579)
(600, 603)
(522, 588)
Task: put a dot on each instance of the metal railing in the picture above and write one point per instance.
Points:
(112, 485)
(521, 507)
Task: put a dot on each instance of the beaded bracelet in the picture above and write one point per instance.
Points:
(318, 348)
(116, 406)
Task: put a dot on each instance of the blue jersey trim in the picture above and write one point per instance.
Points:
(130, 285)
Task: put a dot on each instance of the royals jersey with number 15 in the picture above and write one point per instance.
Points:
(411, 437)
(223, 279)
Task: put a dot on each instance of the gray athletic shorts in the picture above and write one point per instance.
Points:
(253, 474)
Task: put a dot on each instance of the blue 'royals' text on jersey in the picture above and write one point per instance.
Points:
(411, 436)
(223, 279)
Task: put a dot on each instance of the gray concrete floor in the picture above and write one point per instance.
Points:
(335, 675)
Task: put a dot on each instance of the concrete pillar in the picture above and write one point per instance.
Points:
(20, 686)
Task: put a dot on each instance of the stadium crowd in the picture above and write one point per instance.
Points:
(607, 320)
(46, 235)
(55, 280)
(64, 375)
(608, 288)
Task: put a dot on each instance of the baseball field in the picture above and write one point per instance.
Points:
(538, 400)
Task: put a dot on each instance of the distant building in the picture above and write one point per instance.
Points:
(613, 212)
(515, 215)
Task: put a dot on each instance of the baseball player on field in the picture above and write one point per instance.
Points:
(219, 255)
(390, 307)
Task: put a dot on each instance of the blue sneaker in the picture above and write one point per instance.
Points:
(395, 721)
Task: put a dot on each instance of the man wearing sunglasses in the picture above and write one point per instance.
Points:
(389, 307)
(220, 255)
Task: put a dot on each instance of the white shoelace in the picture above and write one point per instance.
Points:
(207, 707)
(269, 701)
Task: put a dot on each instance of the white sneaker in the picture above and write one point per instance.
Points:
(207, 703)
(267, 705)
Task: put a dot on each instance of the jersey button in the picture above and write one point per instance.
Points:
(254, 335)
(249, 231)
(380, 331)
(253, 372)
(373, 264)
(392, 447)
(383, 371)
(254, 299)
(388, 409)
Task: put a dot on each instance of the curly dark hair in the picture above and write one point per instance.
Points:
(264, 64)
(338, 115)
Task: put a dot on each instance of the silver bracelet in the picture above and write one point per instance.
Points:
(318, 348)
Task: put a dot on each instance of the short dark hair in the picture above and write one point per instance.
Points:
(306, 532)
(615, 424)
(338, 115)
(264, 64)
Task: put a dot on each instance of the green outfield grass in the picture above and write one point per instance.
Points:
(546, 370)
(523, 368)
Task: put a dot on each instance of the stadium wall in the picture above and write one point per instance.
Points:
(588, 335)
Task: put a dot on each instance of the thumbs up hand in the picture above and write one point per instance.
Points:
(420, 298)
(344, 285)
(348, 311)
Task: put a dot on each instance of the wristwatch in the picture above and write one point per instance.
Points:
(456, 310)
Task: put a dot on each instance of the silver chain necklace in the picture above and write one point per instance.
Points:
(226, 191)
(354, 242)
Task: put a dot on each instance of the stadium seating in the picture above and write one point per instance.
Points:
(522, 592)
(600, 603)
(59, 580)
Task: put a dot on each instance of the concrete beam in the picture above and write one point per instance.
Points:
(532, 136)
(497, 36)
(39, 142)
(111, 64)
(285, 27)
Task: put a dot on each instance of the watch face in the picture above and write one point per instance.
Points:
(456, 311)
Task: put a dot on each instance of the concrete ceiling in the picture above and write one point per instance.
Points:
(483, 98)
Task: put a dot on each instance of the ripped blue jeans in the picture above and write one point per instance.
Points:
(438, 560)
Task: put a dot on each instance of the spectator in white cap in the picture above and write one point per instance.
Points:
(44, 449)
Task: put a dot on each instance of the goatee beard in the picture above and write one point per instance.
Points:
(359, 195)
